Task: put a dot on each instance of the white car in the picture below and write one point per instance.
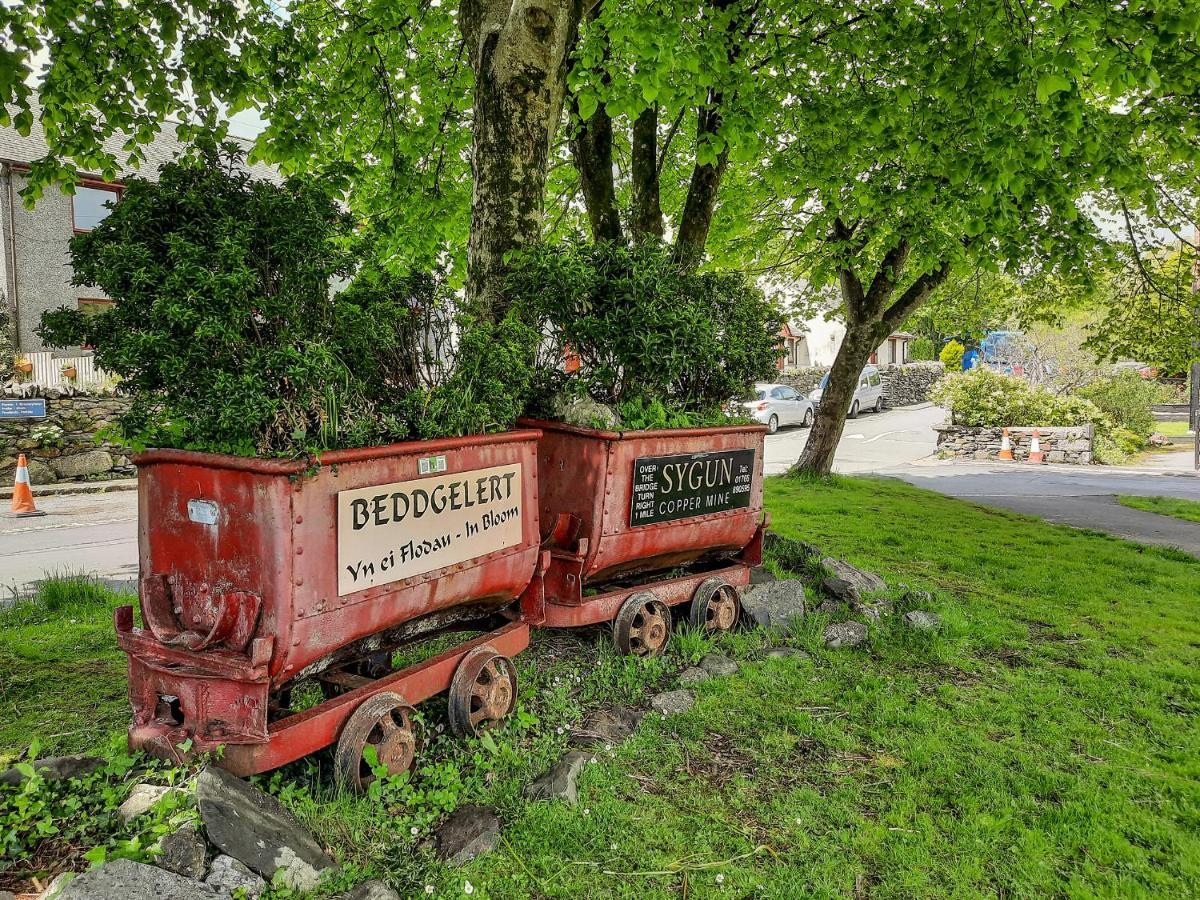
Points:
(776, 405)
(868, 394)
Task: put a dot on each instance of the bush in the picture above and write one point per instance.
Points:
(1125, 398)
(645, 332)
(921, 349)
(226, 335)
(983, 398)
(952, 356)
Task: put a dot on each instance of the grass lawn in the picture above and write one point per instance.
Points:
(1188, 510)
(1044, 743)
(1172, 428)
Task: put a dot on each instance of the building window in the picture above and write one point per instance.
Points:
(92, 203)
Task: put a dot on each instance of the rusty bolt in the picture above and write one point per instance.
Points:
(299, 520)
(299, 551)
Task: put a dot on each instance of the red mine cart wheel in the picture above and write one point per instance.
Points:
(716, 606)
(642, 626)
(382, 721)
(483, 692)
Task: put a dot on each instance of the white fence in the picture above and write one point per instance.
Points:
(47, 371)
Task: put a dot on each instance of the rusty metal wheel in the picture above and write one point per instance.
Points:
(642, 626)
(483, 691)
(382, 721)
(716, 606)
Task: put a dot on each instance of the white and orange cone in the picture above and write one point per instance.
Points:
(1005, 446)
(22, 498)
(1035, 449)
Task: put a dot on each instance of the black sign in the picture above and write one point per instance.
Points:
(666, 488)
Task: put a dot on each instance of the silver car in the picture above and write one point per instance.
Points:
(776, 405)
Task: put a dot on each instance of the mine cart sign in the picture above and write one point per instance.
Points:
(666, 488)
(389, 532)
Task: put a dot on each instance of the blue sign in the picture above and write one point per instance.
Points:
(23, 409)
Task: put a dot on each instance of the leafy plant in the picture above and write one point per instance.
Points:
(665, 345)
(985, 398)
(1125, 397)
(952, 356)
(226, 335)
(921, 348)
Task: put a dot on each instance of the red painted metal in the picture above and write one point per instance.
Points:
(586, 496)
(242, 598)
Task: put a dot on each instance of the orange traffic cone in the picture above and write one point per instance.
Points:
(1005, 446)
(1035, 450)
(22, 498)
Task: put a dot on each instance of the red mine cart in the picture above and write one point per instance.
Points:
(259, 576)
(639, 521)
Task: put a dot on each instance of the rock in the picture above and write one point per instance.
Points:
(373, 890)
(141, 800)
(845, 634)
(775, 604)
(228, 875)
(91, 462)
(7, 895)
(832, 607)
(39, 472)
(56, 768)
(919, 620)
(672, 703)
(759, 575)
(558, 783)
(718, 664)
(183, 852)
(792, 555)
(584, 412)
(1158, 439)
(470, 831)
(255, 829)
(863, 580)
(692, 676)
(786, 653)
(872, 611)
(606, 726)
(918, 598)
(54, 889)
(840, 589)
(124, 879)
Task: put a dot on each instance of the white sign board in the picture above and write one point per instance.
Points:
(389, 532)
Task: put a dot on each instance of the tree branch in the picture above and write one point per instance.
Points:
(646, 220)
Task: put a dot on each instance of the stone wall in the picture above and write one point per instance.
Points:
(904, 385)
(1060, 445)
(63, 445)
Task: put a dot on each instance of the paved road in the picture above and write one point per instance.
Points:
(97, 533)
(81, 533)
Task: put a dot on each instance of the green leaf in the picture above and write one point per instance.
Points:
(1050, 84)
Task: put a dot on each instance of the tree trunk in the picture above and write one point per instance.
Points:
(823, 438)
(647, 218)
(518, 53)
(701, 200)
(592, 148)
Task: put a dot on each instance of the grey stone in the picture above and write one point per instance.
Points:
(141, 800)
(845, 634)
(39, 472)
(918, 597)
(718, 664)
(872, 610)
(786, 653)
(373, 890)
(584, 412)
(832, 607)
(775, 604)
(255, 829)
(759, 575)
(840, 589)
(124, 879)
(56, 768)
(183, 852)
(7, 895)
(692, 676)
(861, 579)
(91, 462)
(56, 885)
(672, 703)
(920, 620)
(606, 726)
(228, 875)
(470, 831)
(558, 782)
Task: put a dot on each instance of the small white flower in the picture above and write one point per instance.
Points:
(468, 888)
(429, 888)
(559, 729)
(799, 821)
(612, 846)
(415, 830)
(720, 878)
